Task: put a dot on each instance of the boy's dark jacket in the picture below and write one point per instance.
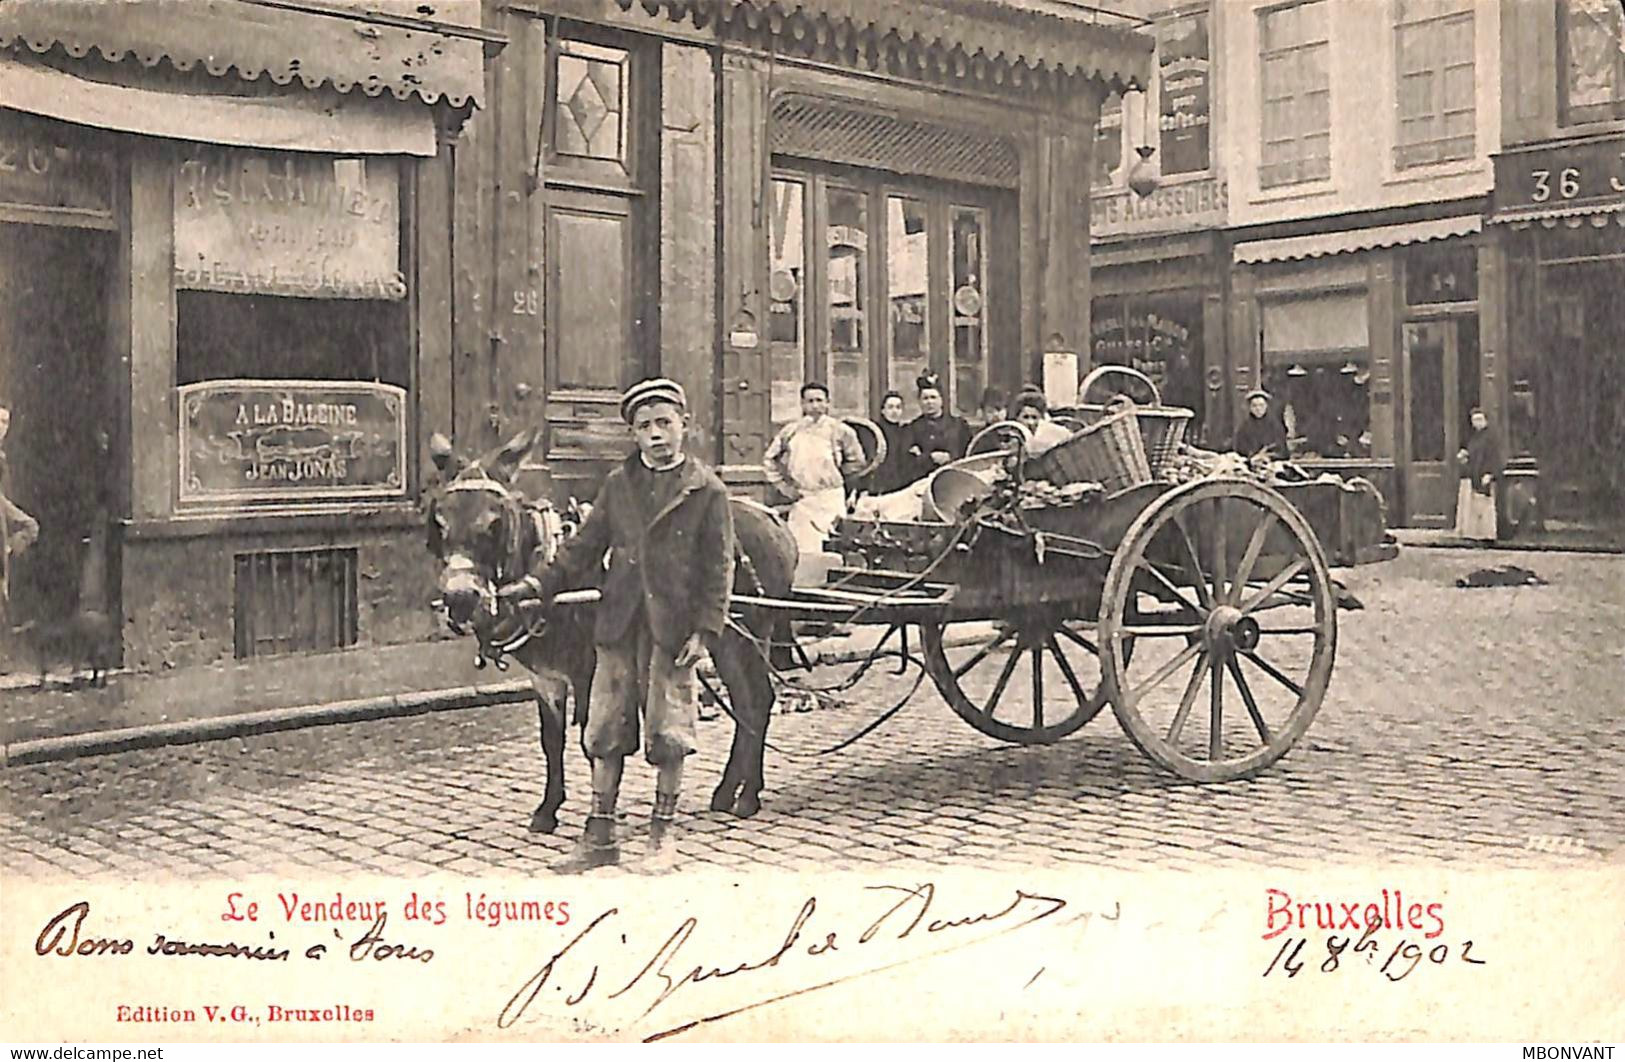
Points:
(678, 563)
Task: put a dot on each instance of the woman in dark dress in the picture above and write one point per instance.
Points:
(896, 470)
(1262, 431)
(935, 437)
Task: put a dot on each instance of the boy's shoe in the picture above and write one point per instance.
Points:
(596, 848)
(660, 857)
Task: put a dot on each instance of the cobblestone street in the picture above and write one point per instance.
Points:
(1474, 725)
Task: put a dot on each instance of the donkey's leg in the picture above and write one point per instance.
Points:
(750, 693)
(551, 700)
(735, 682)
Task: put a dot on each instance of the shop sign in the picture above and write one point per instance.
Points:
(1179, 206)
(291, 440)
(41, 167)
(1564, 175)
(267, 223)
(1185, 118)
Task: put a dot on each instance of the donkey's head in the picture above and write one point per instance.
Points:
(477, 526)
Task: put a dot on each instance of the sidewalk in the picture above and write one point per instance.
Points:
(187, 705)
(1557, 538)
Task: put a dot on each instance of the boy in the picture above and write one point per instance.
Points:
(665, 521)
(808, 462)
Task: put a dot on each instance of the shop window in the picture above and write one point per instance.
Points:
(1326, 404)
(967, 307)
(1158, 335)
(1592, 50)
(1295, 76)
(908, 288)
(1317, 367)
(847, 295)
(787, 291)
(271, 337)
(1433, 41)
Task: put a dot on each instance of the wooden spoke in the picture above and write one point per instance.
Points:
(1004, 680)
(1066, 669)
(1038, 687)
(1179, 595)
(1074, 636)
(1289, 630)
(1215, 731)
(1164, 630)
(1247, 699)
(1185, 655)
(1270, 670)
(1202, 594)
(982, 653)
(1220, 538)
(1249, 556)
(1188, 701)
(1284, 576)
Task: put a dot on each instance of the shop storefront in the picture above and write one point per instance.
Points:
(749, 194)
(227, 326)
(1368, 342)
(1559, 221)
(1159, 309)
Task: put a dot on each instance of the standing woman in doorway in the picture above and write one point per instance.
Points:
(1482, 462)
(935, 436)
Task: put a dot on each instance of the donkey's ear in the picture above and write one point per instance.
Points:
(505, 462)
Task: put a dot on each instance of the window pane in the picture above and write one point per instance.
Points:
(907, 280)
(590, 302)
(590, 95)
(1595, 62)
(848, 240)
(787, 310)
(968, 307)
(1108, 154)
(1427, 392)
(1313, 21)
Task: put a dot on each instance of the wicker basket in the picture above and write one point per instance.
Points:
(1110, 452)
(1162, 427)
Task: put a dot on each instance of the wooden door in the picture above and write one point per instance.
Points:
(1432, 422)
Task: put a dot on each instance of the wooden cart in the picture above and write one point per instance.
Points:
(1204, 614)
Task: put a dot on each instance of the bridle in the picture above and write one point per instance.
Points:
(501, 631)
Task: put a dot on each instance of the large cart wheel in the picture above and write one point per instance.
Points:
(1243, 606)
(1032, 680)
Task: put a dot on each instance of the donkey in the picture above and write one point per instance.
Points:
(485, 533)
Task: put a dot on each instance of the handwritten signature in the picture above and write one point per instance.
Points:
(64, 935)
(909, 912)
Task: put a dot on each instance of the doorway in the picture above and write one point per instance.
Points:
(874, 279)
(1441, 379)
(53, 378)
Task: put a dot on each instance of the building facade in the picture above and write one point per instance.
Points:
(1161, 262)
(1358, 158)
(1558, 224)
(225, 297)
(748, 194)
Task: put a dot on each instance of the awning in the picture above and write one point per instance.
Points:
(323, 45)
(1022, 35)
(328, 123)
(1572, 216)
(1294, 248)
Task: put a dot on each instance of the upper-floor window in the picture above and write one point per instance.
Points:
(1593, 60)
(1433, 47)
(1296, 119)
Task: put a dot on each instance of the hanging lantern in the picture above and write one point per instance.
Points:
(1141, 179)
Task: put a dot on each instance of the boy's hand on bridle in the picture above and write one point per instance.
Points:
(692, 650)
(527, 589)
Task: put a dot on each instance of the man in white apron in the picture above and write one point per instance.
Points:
(808, 462)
